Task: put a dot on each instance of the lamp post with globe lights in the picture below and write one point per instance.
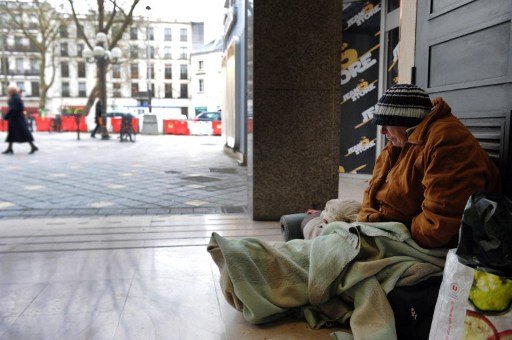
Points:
(148, 56)
(102, 57)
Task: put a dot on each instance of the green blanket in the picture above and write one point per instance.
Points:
(342, 275)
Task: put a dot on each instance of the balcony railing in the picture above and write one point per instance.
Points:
(20, 72)
(21, 48)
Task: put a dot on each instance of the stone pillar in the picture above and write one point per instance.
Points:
(293, 151)
(149, 125)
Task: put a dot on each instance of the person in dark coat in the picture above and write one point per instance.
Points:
(97, 119)
(18, 131)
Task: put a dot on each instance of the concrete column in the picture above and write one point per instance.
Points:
(294, 148)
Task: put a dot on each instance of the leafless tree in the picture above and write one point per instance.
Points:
(111, 17)
(39, 23)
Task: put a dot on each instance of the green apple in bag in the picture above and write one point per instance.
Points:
(490, 293)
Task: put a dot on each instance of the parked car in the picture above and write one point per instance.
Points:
(208, 116)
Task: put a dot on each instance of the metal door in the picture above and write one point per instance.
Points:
(463, 54)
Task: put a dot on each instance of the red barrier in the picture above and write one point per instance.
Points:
(169, 126)
(43, 124)
(116, 124)
(182, 127)
(217, 127)
(4, 125)
(69, 124)
(176, 127)
(135, 125)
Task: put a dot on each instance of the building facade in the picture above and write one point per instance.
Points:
(156, 55)
(206, 77)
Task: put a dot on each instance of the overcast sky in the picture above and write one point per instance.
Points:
(211, 12)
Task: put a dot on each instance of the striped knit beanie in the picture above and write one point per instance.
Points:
(402, 105)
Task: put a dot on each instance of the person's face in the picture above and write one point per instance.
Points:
(396, 134)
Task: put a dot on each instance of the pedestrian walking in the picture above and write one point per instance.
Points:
(18, 131)
(97, 119)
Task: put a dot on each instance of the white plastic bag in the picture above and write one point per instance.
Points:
(472, 304)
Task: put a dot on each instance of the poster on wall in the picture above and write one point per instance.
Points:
(359, 85)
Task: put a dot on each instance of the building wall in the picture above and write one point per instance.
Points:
(235, 74)
(119, 90)
(211, 76)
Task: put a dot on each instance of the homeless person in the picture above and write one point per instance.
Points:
(410, 215)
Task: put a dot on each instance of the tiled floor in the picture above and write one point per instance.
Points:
(139, 277)
(162, 174)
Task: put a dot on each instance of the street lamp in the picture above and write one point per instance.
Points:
(102, 57)
(148, 55)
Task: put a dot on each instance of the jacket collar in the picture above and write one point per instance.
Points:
(440, 109)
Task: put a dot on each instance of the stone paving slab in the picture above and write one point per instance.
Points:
(156, 175)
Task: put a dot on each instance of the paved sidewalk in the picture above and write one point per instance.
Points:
(156, 175)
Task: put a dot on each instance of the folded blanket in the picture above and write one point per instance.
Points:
(342, 275)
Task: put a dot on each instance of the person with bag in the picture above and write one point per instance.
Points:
(18, 131)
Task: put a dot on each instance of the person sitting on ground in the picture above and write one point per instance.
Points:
(410, 215)
(18, 131)
(429, 168)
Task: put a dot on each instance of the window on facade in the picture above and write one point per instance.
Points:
(64, 49)
(35, 88)
(81, 69)
(5, 65)
(134, 71)
(183, 34)
(152, 71)
(117, 90)
(153, 90)
(167, 53)
(80, 50)
(19, 66)
(34, 66)
(168, 34)
(183, 53)
(134, 52)
(168, 71)
(183, 72)
(135, 89)
(151, 52)
(32, 47)
(168, 90)
(3, 42)
(65, 89)
(201, 85)
(116, 71)
(150, 34)
(20, 85)
(64, 70)
(184, 111)
(82, 89)
(63, 31)
(183, 91)
(18, 43)
(200, 65)
(134, 33)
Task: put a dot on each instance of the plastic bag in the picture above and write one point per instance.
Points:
(472, 304)
(486, 233)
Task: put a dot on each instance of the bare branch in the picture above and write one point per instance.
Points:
(126, 22)
(79, 28)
